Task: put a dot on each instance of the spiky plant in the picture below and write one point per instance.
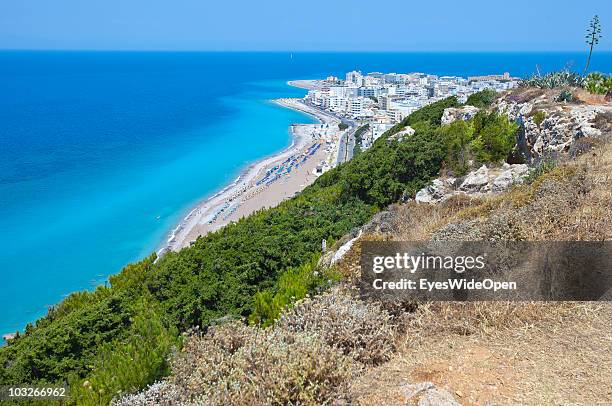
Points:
(555, 79)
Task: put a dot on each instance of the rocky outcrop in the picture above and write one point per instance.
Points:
(381, 223)
(462, 113)
(437, 191)
(548, 128)
(400, 135)
(478, 182)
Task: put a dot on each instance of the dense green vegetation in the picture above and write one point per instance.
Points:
(294, 284)
(481, 99)
(119, 337)
(358, 138)
(485, 138)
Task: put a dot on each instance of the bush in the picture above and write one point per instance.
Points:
(488, 137)
(598, 83)
(538, 117)
(234, 364)
(293, 285)
(495, 137)
(565, 96)
(482, 99)
(128, 365)
(361, 330)
(160, 393)
(457, 137)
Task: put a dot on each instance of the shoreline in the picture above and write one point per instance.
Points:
(254, 188)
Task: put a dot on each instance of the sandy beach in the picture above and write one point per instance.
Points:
(268, 182)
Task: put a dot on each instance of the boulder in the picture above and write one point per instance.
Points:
(475, 181)
(428, 394)
(462, 113)
(439, 190)
(511, 175)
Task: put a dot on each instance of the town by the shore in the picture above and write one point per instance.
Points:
(375, 102)
(268, 182)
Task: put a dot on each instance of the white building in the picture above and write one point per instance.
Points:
(354, 77)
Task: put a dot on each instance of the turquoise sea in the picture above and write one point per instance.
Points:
(102, 153)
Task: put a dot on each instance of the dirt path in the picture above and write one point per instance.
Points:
(552, 363)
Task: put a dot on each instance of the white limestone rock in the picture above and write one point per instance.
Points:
(428, 394)
(462, 113)
(439, 190)
(475, 181)
(512, 174)
(400, 135)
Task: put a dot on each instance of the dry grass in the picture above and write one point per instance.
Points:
(457, 345)
(588, 97)
(572, 202)
(562, 357)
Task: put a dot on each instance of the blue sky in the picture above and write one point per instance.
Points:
(331, 25)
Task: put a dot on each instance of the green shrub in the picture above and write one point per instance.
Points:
(495, 137)
(457, 137)
(482, 99)
(342, 126)
(598, 83)
(487, 137)
(293, 285)
(538, 117)
(122, 366)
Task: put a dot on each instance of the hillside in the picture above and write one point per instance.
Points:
(119, 338)
(507, 353)
(335, 348)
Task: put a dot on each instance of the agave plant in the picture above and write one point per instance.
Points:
(565, 96)
(555, 79)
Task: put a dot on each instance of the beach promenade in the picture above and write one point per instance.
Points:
(268, 182)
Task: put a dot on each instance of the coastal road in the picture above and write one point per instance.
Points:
(347, 144)
(342, 149)
(350, 144)
(347, 140)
